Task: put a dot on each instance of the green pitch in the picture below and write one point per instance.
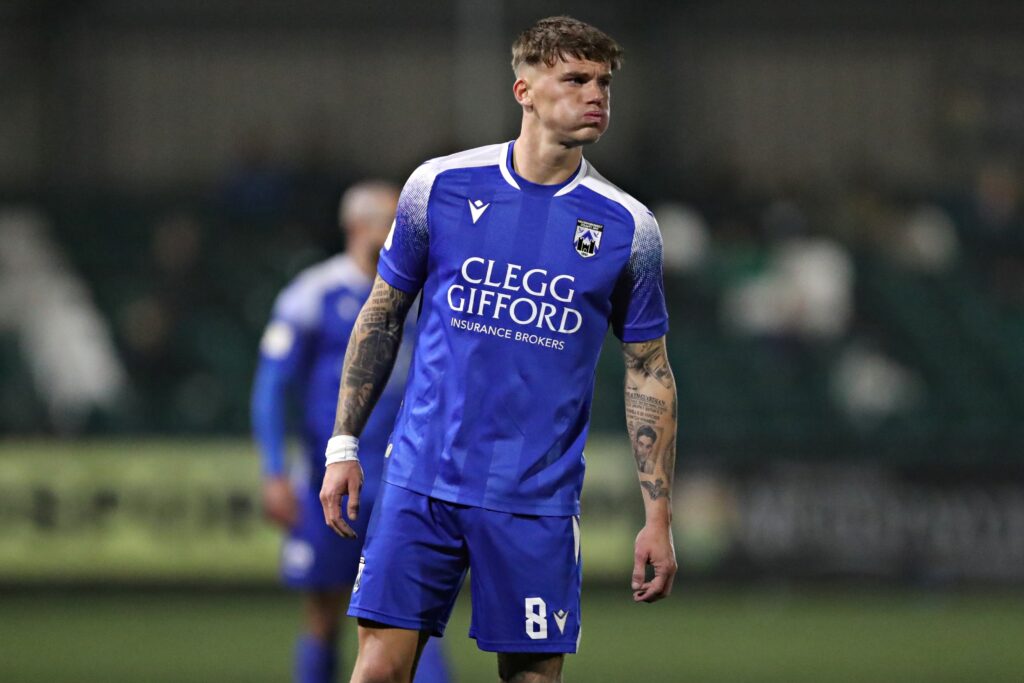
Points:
(699, 636)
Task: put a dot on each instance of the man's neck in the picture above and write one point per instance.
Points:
(544, 162)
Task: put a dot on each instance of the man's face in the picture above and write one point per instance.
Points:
(572, 98)
(644, 444)
(378, 223)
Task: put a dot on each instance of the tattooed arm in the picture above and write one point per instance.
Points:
(370, 355)
(369, 358)
(651, 421)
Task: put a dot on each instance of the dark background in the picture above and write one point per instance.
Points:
(838, 189)
(841, 197)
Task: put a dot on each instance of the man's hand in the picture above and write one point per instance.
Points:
(340, 479)
(279, 504)
(654, 547)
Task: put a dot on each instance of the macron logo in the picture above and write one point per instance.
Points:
(477, 208)
(560, 617)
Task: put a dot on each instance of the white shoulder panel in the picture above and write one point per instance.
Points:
(645, 255)
(489, 155)
(416, 194)
(300, 302)
(599, 184)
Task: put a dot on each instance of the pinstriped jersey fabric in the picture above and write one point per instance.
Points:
(520, 283)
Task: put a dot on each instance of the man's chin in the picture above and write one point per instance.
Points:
(584, 136)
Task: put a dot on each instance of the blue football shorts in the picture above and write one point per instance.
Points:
(313, 556)
(526, 572)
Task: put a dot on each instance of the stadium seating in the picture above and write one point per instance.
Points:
(188, 331)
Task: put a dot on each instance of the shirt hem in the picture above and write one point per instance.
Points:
(496, 506)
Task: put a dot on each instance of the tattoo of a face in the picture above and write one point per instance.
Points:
(643, 449)
(655, 489)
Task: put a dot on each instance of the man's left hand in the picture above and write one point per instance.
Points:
(653, 547)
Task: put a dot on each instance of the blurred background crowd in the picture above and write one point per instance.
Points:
(839, 193)
(840, 189)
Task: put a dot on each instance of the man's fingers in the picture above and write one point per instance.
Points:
(639, 563)
(652, 591)
(341, 528)
(332, 516)
(660, 585)
(331, 504)
(353, 499)
(325, 503)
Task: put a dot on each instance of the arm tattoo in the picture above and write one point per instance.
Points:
(650, 394)
(655, 489)
(650, 358)
(370, 355)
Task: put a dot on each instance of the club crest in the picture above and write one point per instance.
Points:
(588, 237)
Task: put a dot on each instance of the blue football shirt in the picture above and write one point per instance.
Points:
(301, 355)
(519, 285)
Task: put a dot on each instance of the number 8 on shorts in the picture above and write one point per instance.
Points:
(536, 619)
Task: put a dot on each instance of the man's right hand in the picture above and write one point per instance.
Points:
(279, 503)
(341, 478)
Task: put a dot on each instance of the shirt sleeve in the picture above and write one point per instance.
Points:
(638, 303)
(403, 260)
(282, 353)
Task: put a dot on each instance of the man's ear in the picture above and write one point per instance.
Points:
(521, 91)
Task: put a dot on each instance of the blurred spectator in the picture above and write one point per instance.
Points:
(997, 204)
(176, 245)
(64, 338)
(177, 287)
(869, 386)
(685, 235)
(927, 240)
(805, 291)
(179, 325)
(994, 224)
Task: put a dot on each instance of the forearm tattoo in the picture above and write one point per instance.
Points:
(370, 355)
(655, 489)
(651, 415)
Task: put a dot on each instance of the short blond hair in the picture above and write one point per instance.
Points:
(556, 38)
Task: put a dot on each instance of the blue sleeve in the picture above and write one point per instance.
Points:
(403, 260)
(638, 304)
(282, 352)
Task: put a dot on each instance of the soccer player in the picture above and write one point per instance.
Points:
(300, 357)
(523, 255)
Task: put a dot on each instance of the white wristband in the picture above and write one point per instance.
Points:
(342, 448)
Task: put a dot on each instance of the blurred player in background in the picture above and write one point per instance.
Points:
(300, 359)
(524, 255)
